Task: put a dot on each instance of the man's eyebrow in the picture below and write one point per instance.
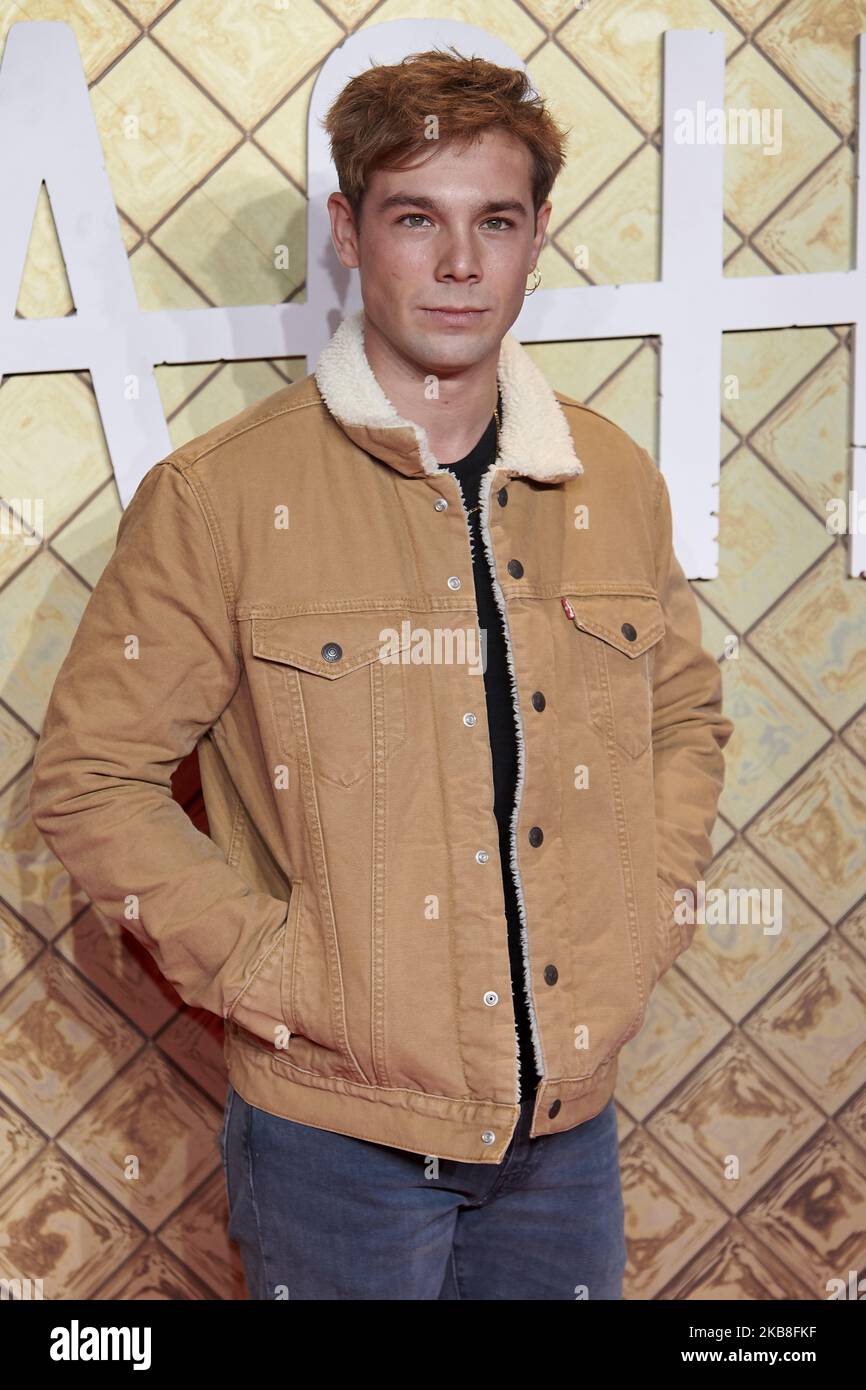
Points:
(417, 200)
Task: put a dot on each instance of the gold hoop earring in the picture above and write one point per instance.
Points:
(537, 272)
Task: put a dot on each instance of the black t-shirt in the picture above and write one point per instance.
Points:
(503, 734)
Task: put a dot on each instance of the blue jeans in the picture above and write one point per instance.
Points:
(319, 1215)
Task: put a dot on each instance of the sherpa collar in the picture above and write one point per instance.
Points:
(535, 440)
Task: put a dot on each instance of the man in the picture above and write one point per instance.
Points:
(439, 889)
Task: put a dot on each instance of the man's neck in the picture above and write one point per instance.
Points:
(457, 417)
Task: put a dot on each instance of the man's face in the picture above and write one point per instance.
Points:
(454, 231)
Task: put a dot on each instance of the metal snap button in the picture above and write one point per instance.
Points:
(332, 651)
(628, 631)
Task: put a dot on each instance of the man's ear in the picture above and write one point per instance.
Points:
(344, 232)
(542, 218)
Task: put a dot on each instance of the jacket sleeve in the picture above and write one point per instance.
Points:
(151, 667)
(689, 733)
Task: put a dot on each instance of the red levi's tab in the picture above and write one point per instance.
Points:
(567, 606)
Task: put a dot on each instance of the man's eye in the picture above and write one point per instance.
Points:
(506, 222)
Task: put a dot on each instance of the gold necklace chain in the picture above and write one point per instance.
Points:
(477, 507)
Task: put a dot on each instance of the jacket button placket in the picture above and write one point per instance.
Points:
(490, 997)
(516, 570)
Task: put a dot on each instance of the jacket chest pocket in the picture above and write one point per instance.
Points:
(336, 684)
(617, 637)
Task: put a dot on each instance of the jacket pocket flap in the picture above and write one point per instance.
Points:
(630, 622)
(351, 640)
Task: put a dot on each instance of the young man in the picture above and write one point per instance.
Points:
(439, 890)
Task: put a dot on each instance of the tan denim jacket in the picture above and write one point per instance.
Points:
(293, 592)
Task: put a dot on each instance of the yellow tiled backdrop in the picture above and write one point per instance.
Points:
(755, 1045)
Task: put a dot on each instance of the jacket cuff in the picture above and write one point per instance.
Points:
(672, 938)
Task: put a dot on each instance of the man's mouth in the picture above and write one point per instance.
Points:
(456, 316)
